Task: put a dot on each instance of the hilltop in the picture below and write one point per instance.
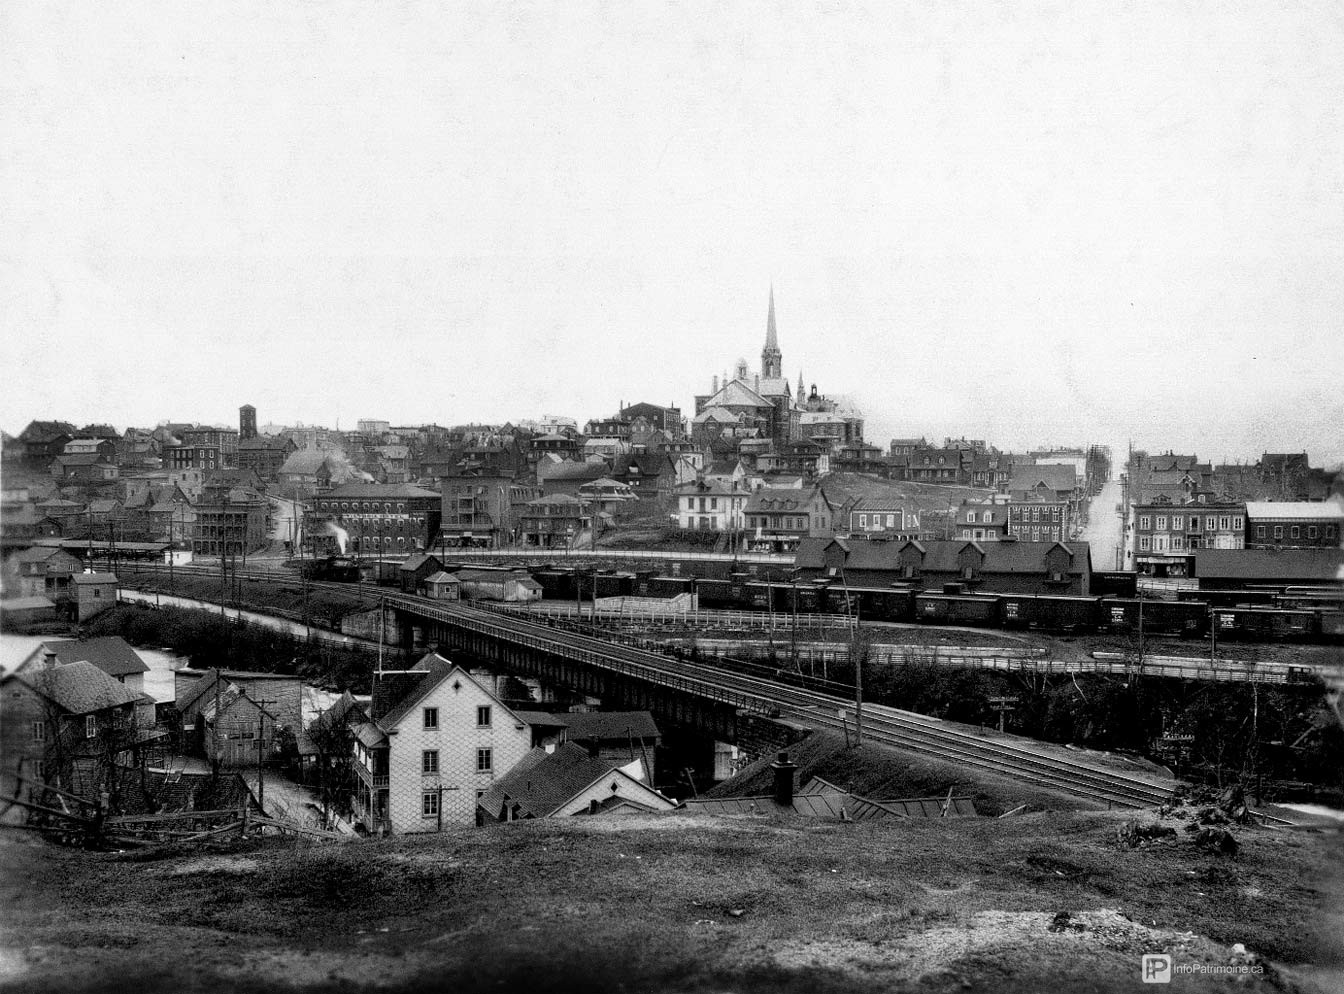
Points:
(681, 902)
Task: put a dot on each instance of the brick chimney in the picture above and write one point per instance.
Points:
(784, 771)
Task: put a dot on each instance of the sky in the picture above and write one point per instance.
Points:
(1049, 223)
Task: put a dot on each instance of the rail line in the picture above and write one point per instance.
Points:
(913, 732)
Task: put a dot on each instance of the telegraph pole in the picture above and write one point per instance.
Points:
(261, 750)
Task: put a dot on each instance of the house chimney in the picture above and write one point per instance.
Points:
(784, 771)
(48, 658)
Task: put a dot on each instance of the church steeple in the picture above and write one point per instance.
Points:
(802, 394)
(772, 360)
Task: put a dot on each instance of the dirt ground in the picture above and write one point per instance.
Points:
(679, 902)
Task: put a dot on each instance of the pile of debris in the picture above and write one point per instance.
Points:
(1205, 816)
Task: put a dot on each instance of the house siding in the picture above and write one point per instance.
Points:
(457, 738)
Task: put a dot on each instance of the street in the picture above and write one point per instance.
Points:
(1103, 531)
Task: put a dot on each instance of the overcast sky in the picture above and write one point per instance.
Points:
(1030, 223)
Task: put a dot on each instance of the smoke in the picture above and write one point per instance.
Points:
(342, 536)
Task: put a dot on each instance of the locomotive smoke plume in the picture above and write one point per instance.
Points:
(342, 536)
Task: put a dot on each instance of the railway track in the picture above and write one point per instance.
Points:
(1020, 759)
(907, 730)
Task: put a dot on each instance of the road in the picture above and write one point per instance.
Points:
(1104, 527)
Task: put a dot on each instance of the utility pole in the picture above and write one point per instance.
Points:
(261, 750)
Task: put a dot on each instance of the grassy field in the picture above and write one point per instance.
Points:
(675, 902)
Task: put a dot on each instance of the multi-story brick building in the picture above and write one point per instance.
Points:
(380, 517)
(1166, 533)
(778, 518)
(554, 521)
(1033, 518)
(230, 521)
(205, 448)
(989, 522)
(482, 507)
(265, 454)
(1294, 524)
(436, 742)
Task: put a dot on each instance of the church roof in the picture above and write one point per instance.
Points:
(735, 393)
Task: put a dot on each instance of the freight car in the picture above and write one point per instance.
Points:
(1253, 624)
(958, 609)
(1049, 613)
(1189, 619)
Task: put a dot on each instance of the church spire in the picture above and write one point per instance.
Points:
(802, 394)
(772, 360)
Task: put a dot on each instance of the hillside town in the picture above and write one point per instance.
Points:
(755, 498)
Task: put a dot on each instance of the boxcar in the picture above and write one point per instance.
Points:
(614, 584)
(1331, 625)
(1049, 613)
(1185, 618)
(885, 603)
(713, 594)
(1256, 624)
(960, 609)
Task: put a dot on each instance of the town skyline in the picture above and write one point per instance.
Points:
(484, 217)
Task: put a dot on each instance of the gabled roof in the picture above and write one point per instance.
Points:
(735, 393)
(441, 577)
(623, 725)
(344, 710)
(416, 561)
(111, 653)
(78, 687)
(304, 462)
(541, 782)
(1055, 476)
(423, 677)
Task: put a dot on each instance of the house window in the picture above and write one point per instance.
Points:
(863, 521)
(429, 761)
(483, 716)
(484, 760)
(90, 726)
(1210, 524)
(431, 717)
(1161, 522)
(1329, 531)
(1296, 531)
(1145, 522)
(1145, 542)
(891, 521)
(970, 517)
(1259, 531)
(1311, 531)
(1224, 523)
(429, 804)
(1278, 531)
(1237, 524)
(39, 731)
(1177, 542)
